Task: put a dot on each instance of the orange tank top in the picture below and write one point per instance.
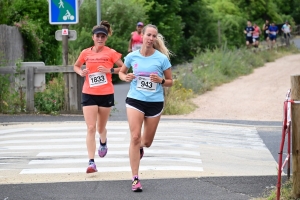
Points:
(97, 83)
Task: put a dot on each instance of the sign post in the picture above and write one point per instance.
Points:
(65, 12)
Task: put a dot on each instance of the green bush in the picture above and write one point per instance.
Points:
(51, 100)
(12, 97)
(178, 100)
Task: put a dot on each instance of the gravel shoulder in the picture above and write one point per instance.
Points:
(258, 96)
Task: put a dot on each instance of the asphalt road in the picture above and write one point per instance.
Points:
(209, 188)
(204, 188)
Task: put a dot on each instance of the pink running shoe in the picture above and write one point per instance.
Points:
(102, 151)
(136, 185)
(91, 168)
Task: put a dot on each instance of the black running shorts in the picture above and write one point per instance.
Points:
(249, 39)
(98, 100)
(150, 109)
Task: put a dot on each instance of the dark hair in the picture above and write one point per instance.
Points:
(106, 25)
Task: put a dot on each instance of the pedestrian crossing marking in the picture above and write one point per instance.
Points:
(109, 169)
(51, 148)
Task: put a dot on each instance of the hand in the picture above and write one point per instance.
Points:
(84, 72)
(103, 69)
(129, 77)
(155, 78)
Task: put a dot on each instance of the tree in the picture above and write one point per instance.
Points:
(165, 15)
(232, 21)
(295, 12)
(33, 18)
(199, 27)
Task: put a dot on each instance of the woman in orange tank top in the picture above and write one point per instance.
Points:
(98, 90)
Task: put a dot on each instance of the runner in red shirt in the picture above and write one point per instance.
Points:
(98, 90)
(136, 40)
(255, 35)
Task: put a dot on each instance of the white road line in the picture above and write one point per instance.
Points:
(115, 160)
(147, 151)
(65, 140)
(109, 169)
(50, 134)
(82, 145)
(70, 128)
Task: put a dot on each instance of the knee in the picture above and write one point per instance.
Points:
(147, 144)
(91, 129)
(136, 139)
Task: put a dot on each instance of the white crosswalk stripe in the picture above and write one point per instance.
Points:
(62, 149)
(179, 146)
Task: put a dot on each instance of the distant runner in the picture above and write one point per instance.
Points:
(249, 31)
(136, 40)
(256, 34)
(273, 31)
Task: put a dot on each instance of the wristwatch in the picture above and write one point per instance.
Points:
(163, 81)
(112, 70)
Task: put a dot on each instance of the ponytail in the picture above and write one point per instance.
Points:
(160, 42)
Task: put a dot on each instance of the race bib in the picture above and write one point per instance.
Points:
(144, 83)
(267, 31)
(97, 79)
(249, 34)
(273, 33)
(253, 39)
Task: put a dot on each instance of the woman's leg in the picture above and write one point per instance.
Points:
(135, 120)
(90, 116)
(150, 126)
(103, 115)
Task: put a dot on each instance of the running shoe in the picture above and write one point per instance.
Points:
(136, 185)
(91, 168)
(102, 149)
(141, 152)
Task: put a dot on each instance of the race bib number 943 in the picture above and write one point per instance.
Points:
(144, 83)
(97, 79)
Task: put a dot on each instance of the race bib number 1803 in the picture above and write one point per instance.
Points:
(97, 79)
(145, 84)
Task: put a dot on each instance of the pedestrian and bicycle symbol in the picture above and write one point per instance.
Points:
(63, 12)
(68, 16)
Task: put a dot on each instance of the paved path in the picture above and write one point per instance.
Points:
(216, 160)
(52, 151)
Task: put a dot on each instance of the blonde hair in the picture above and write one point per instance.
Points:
(106, 25)
(160, 42)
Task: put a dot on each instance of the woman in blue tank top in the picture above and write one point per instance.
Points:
(145, 100)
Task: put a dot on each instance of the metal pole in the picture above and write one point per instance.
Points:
(98, 12)
(65, 48)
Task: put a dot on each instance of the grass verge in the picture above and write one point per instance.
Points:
(213, 68)
(285, 192)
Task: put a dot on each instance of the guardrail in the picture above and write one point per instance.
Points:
(73, 83)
